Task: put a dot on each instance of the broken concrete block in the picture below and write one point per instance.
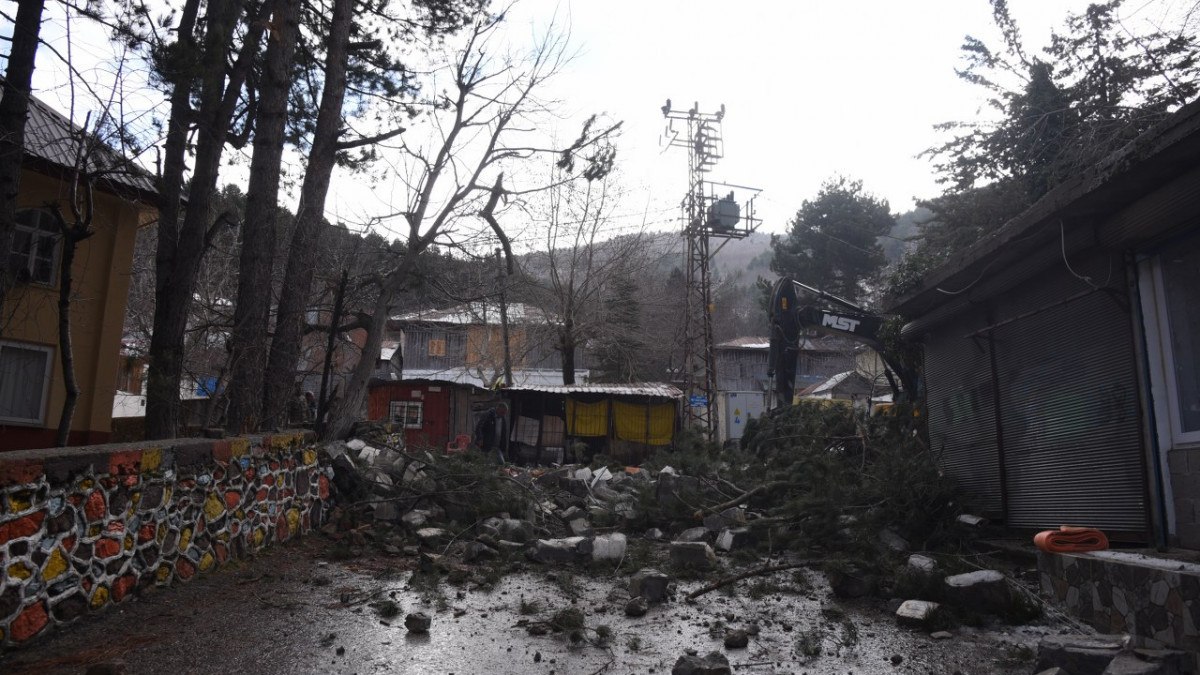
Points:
(608, 495)
(355, 445)
(570, 549)
(580, 527)
(510, 546)
(922, 563)
(418, 622)
(608, 547)
(584, 474)
(692, 554)
(415, 520)
(917, 613)
(626, 511)
(893, 541)
(637, 606)
(386, 511)
(650, 584)
(654, 534)
(852, 582)
(983, 590)
(731, 517)
(601, 475)
(971, 520)
(368, 455)
(1078, 654)
(572, 513)
(736, 639)
(477, 550)
(514, 529)
(738, 537)
(692, 664)
(693, 534)
(433, 537)
(430, 563)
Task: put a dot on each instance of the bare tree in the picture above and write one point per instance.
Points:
(14, 106)
(478, 125)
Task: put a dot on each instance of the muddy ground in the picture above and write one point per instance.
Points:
(295, 610)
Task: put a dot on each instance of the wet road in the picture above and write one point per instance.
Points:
(292, 611)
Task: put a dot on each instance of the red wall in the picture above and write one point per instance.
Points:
(437, 414)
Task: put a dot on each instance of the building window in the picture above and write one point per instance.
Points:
(34, 254)
(24, 382)
(1179, 323)
(408, 413)
(437, 346)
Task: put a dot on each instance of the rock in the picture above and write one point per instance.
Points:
(922, 563)
(355, 445)
(983, 590)
(852, 582)
(738, 537)
(601, 475)
(637, 606)
(1149, 662)
(572, 513)
(418, 622)
(430, 563)
(918, 613)
(478, 550)
(580, 527)
(387, 511)
(575, 486)
(893, 541)
(1078, 654)
(506, 545)
(731, 517)
(736, 639)
(415, 519)
(584, 474)
(626, 511)
(972, 521)
(691, 664)
(692, 554)
(512, 529)
(607, 494)
(608, 547)
(941, 635)
(410, 550)
(897, 659)
(693, 534)
(601, 516)
(654, 534)
(567, 550)
(433, 537)
(650, 584)
(368, 455)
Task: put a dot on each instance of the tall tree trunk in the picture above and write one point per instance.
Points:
(66, 350)
(567, 346)
(346, 408)
(298, 275)
(14, 108)
(248, 342)
(178, 258)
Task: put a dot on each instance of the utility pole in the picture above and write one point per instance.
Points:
(706, 216)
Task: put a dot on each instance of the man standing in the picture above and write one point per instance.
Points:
(491, 432)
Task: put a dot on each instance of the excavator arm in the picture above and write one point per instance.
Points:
(797, 308)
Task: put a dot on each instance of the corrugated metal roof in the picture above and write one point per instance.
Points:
(652, 389)
(746, 343)
(526, 377)
(51, 137)
(475, 313)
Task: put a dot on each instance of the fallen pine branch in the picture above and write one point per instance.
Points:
(700, 513)
(758, 572)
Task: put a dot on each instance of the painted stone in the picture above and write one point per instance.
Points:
(29, 622)
(25, 526)
(55, 566)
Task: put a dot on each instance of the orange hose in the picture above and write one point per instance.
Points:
(1068, 539)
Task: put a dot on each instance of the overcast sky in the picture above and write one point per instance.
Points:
(811, 89)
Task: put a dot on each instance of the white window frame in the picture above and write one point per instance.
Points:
(1160, 341)
(398, 411)
(36, 233)
(49, 352)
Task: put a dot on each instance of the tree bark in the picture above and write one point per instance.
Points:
(567, 347)
(71, 239)
(346, 409)
(14, 108)
(180, 252)
(248, 341)
(298, 275)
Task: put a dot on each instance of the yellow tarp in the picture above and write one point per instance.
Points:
(587, 419)
(631, 422)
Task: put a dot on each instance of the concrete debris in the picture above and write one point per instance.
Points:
(418, 622)
(982, 590)
(1149, 662)
(654, 534)
(601, 474)
(692, 554)
(415, 519)
(568, 550)
(893, 541)
(739, 537)
(972, 520)
(433, 537)
(922, 563)
(918, 613)
(477, 550)
(736, 639)
(941, 635)
(852, 582)
(1079, 654)
(580, 527)
(355, 445)
(512, 529)
(691, 664)
(637, 606)
(608, 495)
(387, 511)
(430, 563)
(572, 512)
(693, 534)
(731, 517)
(608, 547)
(650, 584)
(584, 474)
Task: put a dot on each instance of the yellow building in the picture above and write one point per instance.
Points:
(32, 390)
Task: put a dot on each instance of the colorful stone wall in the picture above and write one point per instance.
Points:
(1154, 599)
(82, 529)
